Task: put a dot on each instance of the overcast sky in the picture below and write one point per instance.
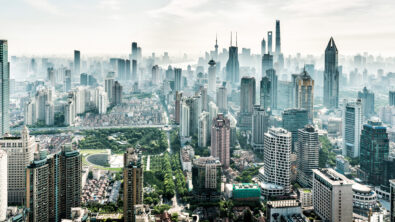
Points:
(44, 27)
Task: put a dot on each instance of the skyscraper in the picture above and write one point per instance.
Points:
(67, 80)
(127, 70)
(134, 70)
(293, 120)
(260, 124)
(133, 179)
(367, 99)
(332, 196)
(247, 101)
(307, 155)
(263, 47)
(304, 93)
(220, 139)
(267, 63)
(269, 42)
(232, 65)
(203, 129)
(177, 80)
(3, 185)
(392, 199)
(374, 151)
(331, 76)
(108, 85)
(222, 99)
(155, 75)
(185, 118)
(116, 96)
(278, 38)
(212, 76)
(271, 74)
(77, 63)
(352, 126)
(177, 108)
(391, 97)
(265, 92)
(4, 88)
(134, 51)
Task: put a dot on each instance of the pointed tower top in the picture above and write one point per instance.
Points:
(331, 44)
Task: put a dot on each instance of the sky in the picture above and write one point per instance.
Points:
(97, 27)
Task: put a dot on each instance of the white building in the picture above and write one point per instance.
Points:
(101, 100)
(185, 120)
(203, 130)
(3, 185)
(40, 108)
(305, 197)
(332, 195)
(212, 77)
(352, 126)
(213, 112)
(222, 100)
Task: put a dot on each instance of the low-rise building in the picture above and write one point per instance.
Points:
(305, 197)
(283, 210)
(186, 156)
(246, 191)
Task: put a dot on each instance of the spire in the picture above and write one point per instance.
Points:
(331, 44)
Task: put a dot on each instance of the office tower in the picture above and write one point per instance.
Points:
(212, 76)
(203, 129)
(374, 151)
(196, 109)
(116, 93)
(19, 157)
(271, 74)
(127, 70)
(3, 184)
(204, 98)
(100, 100)
(293, 120)
(51, 76)
(77, 63)
(267, 63)
(269, 43)
(109, 84)
(134, 49)
(304, 93)
(67, 80)
(367, 99)
(220, 139)
(232, 65)
(155, 75)
(265, 90)
(177, 79)
(185, 118)
(260, 124)
(133, 183)
(278, 38)
(247, 101)
(391, 97)
(352, 126)
(332, 195)
(213, 111)
(134, 71)
(222, 99)
(84, 79)
(121, 69)
(177, 107)
(263, 47)
(277, 163)
(206, 176)
(307, 153)
(4, 89)
(331, 76)
(392, 200)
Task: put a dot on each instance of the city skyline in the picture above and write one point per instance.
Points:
(190, 27)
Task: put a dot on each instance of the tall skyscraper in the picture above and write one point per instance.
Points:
(352, 126)
(220, 139)
(203, 129)
(278, 38)
(116, 93)
(178, 79)
(222, 99)
(19, 157)
(67, 80)
(267, 63)
(367, 99)
(332, 195)
(134, 71)
(271, 74)
(212, 76)
(134, 51)
(84, 79)
(392, 200)
(263, 47)
(177, 108)
(269, 42)
(247, 101)
(293, 120)
(374, 151)
(4, 88)
(77, 63)
(260, 124)
(304, 93)
(331, 76)
(108, 85)
(133, 179)
(155, 75)
(391, 97)
(265, 92)
(232, 65)
(185, 118)
(3, 185)
(307, 155)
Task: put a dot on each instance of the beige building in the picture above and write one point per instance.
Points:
(332, 195)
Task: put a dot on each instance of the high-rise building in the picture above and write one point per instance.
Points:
(263, 47)
(392, 199)
(177, 107)
(155, 75)
(196, 109)
(84, 79)
(203, 129)
(277, 162)
(222, 99)
(213, 112)
(304, 93)
(331, 76)
(271, 74)
(267, 63)
(269, 42)
(212, 76)
(133, 179)
(116, 93)
(4, 88)
(307, 155)
(206, 177)
(220, 139)
(247, 101)
(391, 96)
(260, 124)
(232, 65)
(332, 195)
(134, 51)
(265, 92)
(67, 80)
(278, 38)
(20, 153)
(134, 70)
(178, 79)
(109, 84)
(374, 151)
(293, 120)
(367, 99)
(127, 70)
(185, 118)
(3, 185)
(352, 126)
(77, 63)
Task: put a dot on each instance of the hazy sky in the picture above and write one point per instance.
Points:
(43, 27)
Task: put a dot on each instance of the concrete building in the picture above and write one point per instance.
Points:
(177, 79)
(367, 99)
(342, 165)
(260, 124)
(212, 79)
(3, 185)
(155, 75)
(304, 94)
(391, 98)
(77, 63)
(220, 139)
(271, 74)
(177, 107)
(247, 101)
(267, 63)
(109, 84)
(264, 93)
(222, 99)
(116, 93)
(352, 126)
(331, 76)
(213, 112)
(332, 195)
(206, 178)
(133, 183)
(284, 210)
(392, 200)
(305, 197)
(5, 88)
(293, 120)
(185, 118)
(186, 156)
(203, 130)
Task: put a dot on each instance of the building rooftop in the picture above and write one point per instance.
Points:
(333, 177)
(283, 203)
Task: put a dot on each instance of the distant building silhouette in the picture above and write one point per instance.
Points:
(331, 76)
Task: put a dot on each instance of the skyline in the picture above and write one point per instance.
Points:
(190, 27)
